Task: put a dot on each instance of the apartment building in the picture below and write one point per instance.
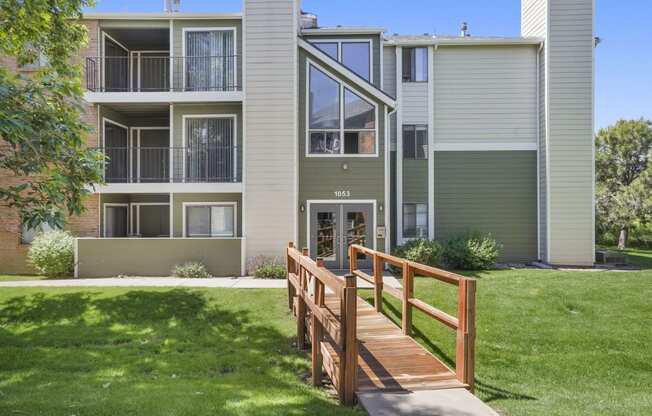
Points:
(229, 135)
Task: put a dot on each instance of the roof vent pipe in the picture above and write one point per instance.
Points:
(308, 20)
(464, 30)
(171, 6)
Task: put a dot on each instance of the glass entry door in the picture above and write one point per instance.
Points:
(333, 227)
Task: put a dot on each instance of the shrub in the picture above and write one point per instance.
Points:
(471, 251)
(191, 269)
(422, 251)
(265, 267)
(52, 253)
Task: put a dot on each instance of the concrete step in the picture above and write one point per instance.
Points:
(446, 402)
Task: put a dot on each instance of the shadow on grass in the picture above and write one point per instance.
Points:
(490, 392)
(149, 351)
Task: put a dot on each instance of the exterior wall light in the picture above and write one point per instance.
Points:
(345, 166)
(302, 208)
(380, 207)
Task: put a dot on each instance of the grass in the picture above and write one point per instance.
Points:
(153, 352)
(548, 343)
(553, 342)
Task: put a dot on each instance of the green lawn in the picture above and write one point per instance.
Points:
(549, 343)
(153, 352)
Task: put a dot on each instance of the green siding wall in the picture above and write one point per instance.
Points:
(492, 192)
(179, 199)
(321, 177)
(415, 181)
(155, 256)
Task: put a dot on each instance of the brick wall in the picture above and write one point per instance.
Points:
(13, 254)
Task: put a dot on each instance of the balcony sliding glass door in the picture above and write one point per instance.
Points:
(116, 66)
(211, 154)
(210, 58)
(116, 148)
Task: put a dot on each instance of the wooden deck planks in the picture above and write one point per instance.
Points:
(389, 360)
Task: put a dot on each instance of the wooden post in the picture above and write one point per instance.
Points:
(349, 317)
(406, 321)
(378, 283)
(465, 342)
(353, 259)
(301, 307)
(291, 268)
(317, 332)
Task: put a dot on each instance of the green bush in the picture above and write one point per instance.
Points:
(52, 253)
(471, 251)
(265, 267)
(422, 251)
(191, 269)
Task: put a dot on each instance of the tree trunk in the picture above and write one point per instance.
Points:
(622, 238)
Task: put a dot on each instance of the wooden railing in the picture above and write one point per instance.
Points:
(332, 329)
(463, 324)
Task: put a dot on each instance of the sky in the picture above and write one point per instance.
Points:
(623, 87)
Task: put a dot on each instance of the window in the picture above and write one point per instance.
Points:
(332, 119)
(40, 60)
(415, 220)
(210, 220)
(415, 64)
(27, 235)
(210, 148)
(415, 142)
(355, 55)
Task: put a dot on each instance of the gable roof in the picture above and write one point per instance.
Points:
(342, 70)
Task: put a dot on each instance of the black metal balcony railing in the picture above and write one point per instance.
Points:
(162, 73)
(172, 164)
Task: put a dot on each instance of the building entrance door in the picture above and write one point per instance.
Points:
(333, 227)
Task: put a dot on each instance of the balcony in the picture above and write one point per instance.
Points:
(152, 78)
(170, 166)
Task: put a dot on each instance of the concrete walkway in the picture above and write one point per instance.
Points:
(214, 282)
(447, 402)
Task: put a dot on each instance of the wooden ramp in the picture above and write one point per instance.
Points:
(391, 361)
(357, 346)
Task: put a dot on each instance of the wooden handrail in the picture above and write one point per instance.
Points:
(463, 324)
(307, 283)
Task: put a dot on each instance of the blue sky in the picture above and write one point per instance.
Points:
(623, 59)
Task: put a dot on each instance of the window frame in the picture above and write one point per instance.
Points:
(339, 43)
(341, 130)
(24, 230)
(413, 48)
(232, 204)
(235, 139)
(416, 225)
(415, 127)
(207, 29)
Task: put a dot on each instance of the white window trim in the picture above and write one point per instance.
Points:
(137, 216)
(415, 141)
(415, 214)
(427, 63)
(129, 141)
(339, 43)
(212, 204)
(135, 131)
(113, 204)
(209, 29)
(342, 86)
(104, 37)
(235, 137)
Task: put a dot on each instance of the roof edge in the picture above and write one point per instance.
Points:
(159, 16)
(342, 30)
(468, 41)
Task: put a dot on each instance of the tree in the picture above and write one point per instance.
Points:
(42, 135)
(623, 163)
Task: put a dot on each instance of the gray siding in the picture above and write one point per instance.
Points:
(490, 192)
(270, 109)
(389, 70)
(414, 102)
(567, 153)
(485, 95)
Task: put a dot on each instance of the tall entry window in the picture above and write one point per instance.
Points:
(415, 220)
(339, 120)
(209, 220)
(354, 54)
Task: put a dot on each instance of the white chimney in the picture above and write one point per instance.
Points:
(171, 6)
(464, 30)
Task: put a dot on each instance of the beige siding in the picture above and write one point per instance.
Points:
(270, 109)
(567, 134)
(414, 100)
(485, 95)
(389, 70)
